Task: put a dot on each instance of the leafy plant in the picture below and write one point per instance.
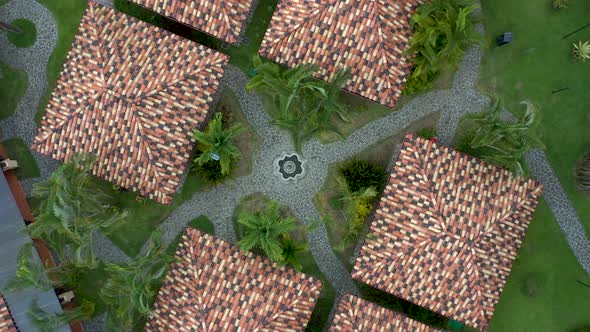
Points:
(29, 273)
(560, 4)
(265, 231)
(356, 208)
(72, 209)
(360, 174)
(581, 51)
(292, 251)
(583, 174)
(49, 322)
(216, 146)
(131, 288)
(505, 142)
(443, 30)
(303, 105)
(427, 133)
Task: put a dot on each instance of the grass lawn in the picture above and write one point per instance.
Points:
(13, 83)
(542, 293)
(257, 202)
(67, 14)
(536, 63)
(380, 154)
(28, 34)
(18, 150)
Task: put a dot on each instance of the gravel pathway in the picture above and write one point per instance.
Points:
(34, 61)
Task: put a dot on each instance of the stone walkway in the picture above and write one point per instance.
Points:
(218, 203)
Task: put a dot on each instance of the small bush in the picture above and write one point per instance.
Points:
(427, 133)
(532, 285)
(583, 174)
(560, 4)
(360, 174)
(581, 51)
(211, 171)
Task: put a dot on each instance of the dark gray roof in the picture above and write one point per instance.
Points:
(11, 240)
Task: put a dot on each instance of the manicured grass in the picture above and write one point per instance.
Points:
(27, 36)
(18, 150)
(537, 63)
(547, 270)
(13, 85)
(67, 14)
(257, 202)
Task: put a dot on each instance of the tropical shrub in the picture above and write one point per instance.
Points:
(302, 104)
(583, 174)
(360, 174)
(560, 4)
(292, 251)
(265, 231)
(504, 142)
(443, 30)
(29, 273)
(581, 51)
(49, 321)
(216, 149)
(356, 206)
(131, 288)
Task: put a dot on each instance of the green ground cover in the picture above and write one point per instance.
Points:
(67, 14)
(256, 203)
(18, 150)
(537, 63)
(27, 36)
(14, 85)
(542, 293)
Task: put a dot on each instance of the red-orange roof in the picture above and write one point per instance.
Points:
(214, 286)
(447, 231)
(6, 321)
(130, 93)
(366, 36)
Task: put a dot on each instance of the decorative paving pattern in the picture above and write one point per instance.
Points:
(6, 321)
(214, 286)
(289, 167)
(224, 19)
(366, 36)
(447, 231)
(130, 93)
(357, 315)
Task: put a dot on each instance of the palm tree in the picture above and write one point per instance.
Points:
(29, 273)
(72, 209)
(291, 252)
(356, 208)
(505, 142)
(581, 51)
(443, 32)
(265, 230)
(303, 105)
(215, 144)
(131, 288)
(49, 322)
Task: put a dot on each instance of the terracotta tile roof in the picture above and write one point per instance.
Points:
(130, 93)
(6, 321)
(355, 314)
(224, 19)
(366, 36)
(214, 286)
(447, 231)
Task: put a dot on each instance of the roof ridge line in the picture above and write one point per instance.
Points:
(143, 142)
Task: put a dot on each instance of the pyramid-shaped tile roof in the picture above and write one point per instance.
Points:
(214, 286)
(447, 231)
(368, 37)
(224, 19)
(131, 94)
(6, 321)
(357, 315)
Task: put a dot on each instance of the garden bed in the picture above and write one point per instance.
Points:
(14, 85)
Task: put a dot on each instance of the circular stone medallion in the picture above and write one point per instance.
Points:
(289, 167)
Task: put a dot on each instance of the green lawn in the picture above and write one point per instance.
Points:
(538, 62)
(542, 293)
(257, 202)
(27, 36)
(67, 14)
(18, 150)
(14, 85)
